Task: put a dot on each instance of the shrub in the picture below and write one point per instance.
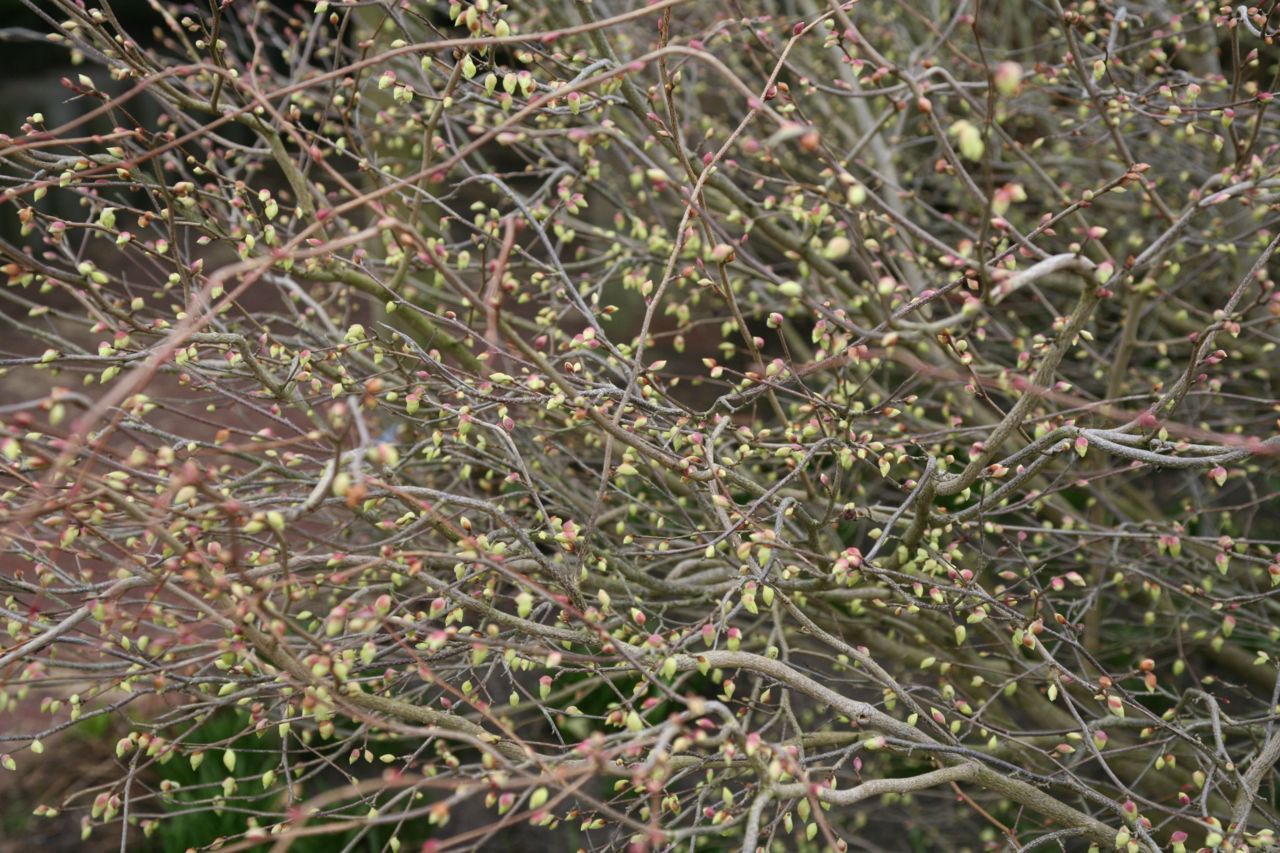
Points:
(670, 425)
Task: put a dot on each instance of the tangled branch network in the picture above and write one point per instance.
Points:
(666, 426)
